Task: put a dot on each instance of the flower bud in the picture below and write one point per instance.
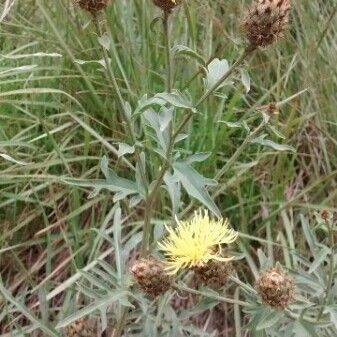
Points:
(150, 276)
(214, 274)
(80, 328)
(276, 288)
(167, 5)
(266, 21)
(92, 6)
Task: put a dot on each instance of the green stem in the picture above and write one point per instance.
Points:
(239, 150)
(166, 29)
(209, 295)
(331, 270)
(114, 84)
(149, 204)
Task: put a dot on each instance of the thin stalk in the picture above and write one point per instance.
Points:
(166, 29)
(331, 270)
(149, 204)
(210, 295)
(240, 149)
(149, 207)
(114, 84)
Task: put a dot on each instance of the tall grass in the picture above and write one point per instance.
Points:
(59, 115)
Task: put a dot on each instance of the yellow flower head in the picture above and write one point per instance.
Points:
(194, 243)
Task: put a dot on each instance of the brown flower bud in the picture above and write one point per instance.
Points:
(80, 328)
(150, 276)
(167, 5)
(276, 288)
(92, 6)
(266, 21)
(213, 274)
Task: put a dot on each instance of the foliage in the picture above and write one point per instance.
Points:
(114, 123)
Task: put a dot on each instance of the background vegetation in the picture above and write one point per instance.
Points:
(59, 117)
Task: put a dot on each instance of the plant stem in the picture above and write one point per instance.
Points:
(331, 269)
(114, 84)
(210, 295)
(149, 204)
(166, 29)
(149, 207)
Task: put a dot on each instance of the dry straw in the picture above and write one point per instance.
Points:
(80, 328)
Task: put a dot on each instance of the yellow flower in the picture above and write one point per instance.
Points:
(194, 243)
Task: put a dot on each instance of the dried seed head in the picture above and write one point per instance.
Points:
(214, 274)
(167, 5)
(80, 328)
(150, 276)
(92, 6)
(276, 288)
(266, 21)
(326, 215)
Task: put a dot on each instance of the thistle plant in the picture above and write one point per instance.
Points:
(194, 243)
(169, 234)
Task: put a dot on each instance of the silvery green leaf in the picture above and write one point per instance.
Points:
(104, 41)
(177, 99)
(215, 71)
(146, 103)
(304, 329)
(232, 125)
(135, 200)
(197, 157)
(319, 258)
(332, 310)
(165, 117)
(266, 117)
(278, 147)
(180, 50)
(276, 132)
(174, 190)
(139, 178)
(111, 298)
(245, 79)
(269, 319)
(161, 136)
(181, 137)
(195, 185)
(125, 149)
(120, 186)
(128, 109)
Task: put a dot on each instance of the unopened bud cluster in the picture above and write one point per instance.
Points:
(266, 21)
(92, 6)
(150, 276)
(214, 274)
(167, 5)
(276, 288)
